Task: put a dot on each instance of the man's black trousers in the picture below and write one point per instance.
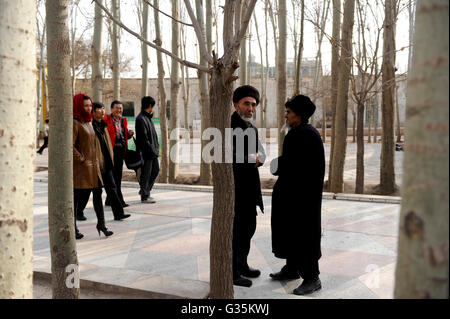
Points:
(149, 172)
(244, 227)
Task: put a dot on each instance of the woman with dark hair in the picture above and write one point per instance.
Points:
(86, 172)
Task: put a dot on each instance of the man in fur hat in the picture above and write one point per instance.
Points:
(248, 155)
(297, 198)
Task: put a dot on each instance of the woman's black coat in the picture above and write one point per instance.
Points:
(297, 194)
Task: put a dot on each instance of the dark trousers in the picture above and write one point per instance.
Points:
(149, 172)
(244, 227)
(44, 146)
(111, 193)
(308, 268)
(118, 170)
(80, 200)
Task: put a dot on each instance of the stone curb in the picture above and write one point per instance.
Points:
(266, 192)
(153, 287)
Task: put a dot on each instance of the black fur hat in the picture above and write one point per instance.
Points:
(302, 106)
(244, 91)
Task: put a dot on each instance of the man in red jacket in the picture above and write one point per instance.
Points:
(120, 134)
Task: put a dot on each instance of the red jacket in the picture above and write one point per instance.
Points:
(112, 130)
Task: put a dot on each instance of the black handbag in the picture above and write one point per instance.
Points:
(133, 158)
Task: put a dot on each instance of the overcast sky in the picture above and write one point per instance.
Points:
(130, 46)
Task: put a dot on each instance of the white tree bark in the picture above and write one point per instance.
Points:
(115, 41)
(174, 90)
(423, 260)
(97, 79)
(144, 50)
(17, 142)
(281, 70)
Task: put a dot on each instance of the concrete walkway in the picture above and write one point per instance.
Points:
(162, 250)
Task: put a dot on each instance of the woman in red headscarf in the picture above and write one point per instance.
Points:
(86, 172)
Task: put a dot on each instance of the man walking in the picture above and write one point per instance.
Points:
(147, 143)
(45, 131)
(297, 198)
(120, 134)
(248, 155)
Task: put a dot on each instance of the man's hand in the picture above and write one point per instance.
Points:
(130, 133)
(256, 157)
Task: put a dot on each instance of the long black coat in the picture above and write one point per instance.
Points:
(297, 194)
(146, 137)
(246, 175)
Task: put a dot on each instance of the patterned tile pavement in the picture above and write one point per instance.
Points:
(170, 239)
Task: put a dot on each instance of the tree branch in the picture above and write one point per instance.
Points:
(167, 15)
(245, 21)
(199, 33)
(156, 47)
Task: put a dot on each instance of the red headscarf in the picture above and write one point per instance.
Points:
(78, 108)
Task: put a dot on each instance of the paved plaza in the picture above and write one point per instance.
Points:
(162, 250)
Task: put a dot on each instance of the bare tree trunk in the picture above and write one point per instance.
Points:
(369, 122)
(144, 50)
(263, 89)
(359, 185)
(422, 269)
(298, 71)
(221, 280)
(387, 172)
(185, 80)
(266, 77)
(334, 79)
(164, 173)
(18, 93)
(243, 75)
(340, 141)
(411, 15)
(281, 71)
(174, 89)
(60, 176)
(205, 168)
(397, 115)
(375, 119)
(96, 49)
(115, 41)
(354, 125)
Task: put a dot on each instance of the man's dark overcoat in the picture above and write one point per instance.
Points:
(246, 175)
(297, 195)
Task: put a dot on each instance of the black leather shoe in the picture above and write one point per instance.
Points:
(244, 282)
(250, 272)
(308, 286)
(81, 217)
(78, 235)
(122, 217)
(125, 205)
(284, 275)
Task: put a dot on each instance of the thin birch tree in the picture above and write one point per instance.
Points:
(115, 43)
(164, 172)
(335, 57)
(60, 161)
(17, 140)
(96, 54)
(340, 121)
(281, 71)
(174, 90)
(387, 171)
(422, 269)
